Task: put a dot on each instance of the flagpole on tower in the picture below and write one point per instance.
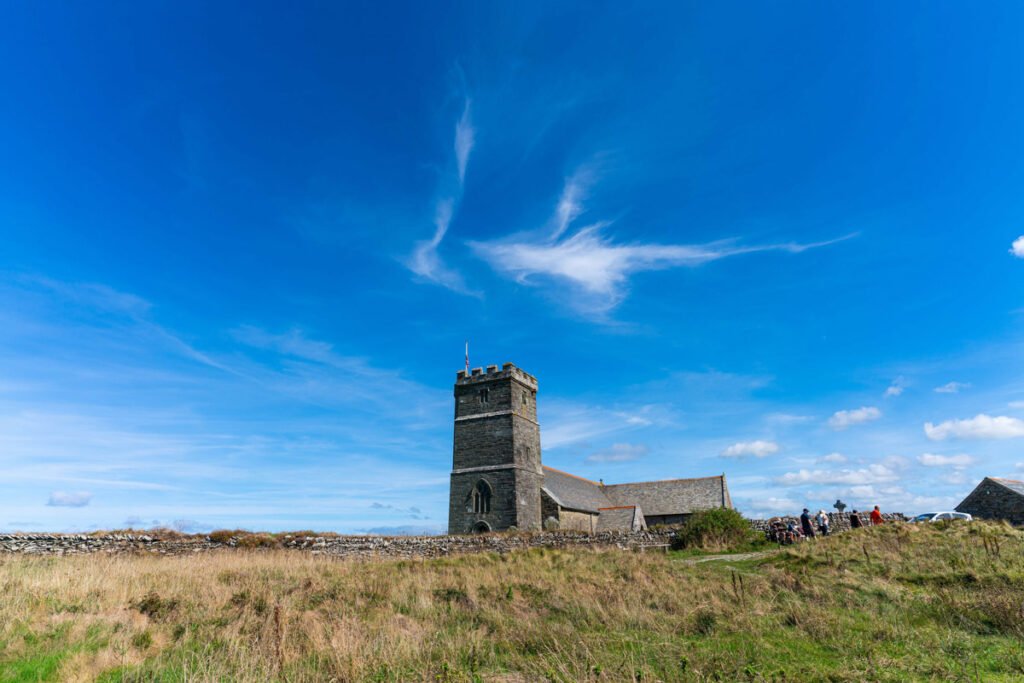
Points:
(467, 357)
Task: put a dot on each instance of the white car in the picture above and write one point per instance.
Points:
(942, 517)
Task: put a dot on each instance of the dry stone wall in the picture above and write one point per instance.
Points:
(366, 546)
(338, 546)
(838, 521)
(76, 544)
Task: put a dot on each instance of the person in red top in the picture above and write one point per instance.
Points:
(876, 517)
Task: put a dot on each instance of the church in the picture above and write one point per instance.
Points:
(498, 481)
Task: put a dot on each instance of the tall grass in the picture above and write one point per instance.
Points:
(890, 604)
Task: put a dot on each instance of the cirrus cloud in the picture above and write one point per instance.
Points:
(599, 268)
(594, 265)
(619, 452)
(425, 259)
(978, 427)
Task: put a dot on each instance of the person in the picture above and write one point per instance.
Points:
(792, 535)
(855, 522)
(823, 522)
(805, 524)
(876, 517)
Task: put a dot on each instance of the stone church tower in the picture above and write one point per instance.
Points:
(496, 472)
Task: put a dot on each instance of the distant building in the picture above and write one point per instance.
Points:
(498, 481)
(996, 498)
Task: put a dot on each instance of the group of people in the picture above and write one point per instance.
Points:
(790, 532)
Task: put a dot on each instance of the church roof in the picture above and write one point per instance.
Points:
(1012, 484)
(668, 497)
(672, 496)
(574, 493)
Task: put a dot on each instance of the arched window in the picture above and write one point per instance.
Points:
(481, 497)
(485, 396)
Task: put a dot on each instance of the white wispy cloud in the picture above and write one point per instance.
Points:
(787, 418)
(314, 371)
(833, 458)
(598, 268)
(70, 500)
(595, 265)
(1017, 248)
(425, 261)
(934, 460)
(465, 136)
(619, 452)
(842, 419)
(872, 474)
(758, 449)
(567, 423)
(125, 310)
(978, 427)
(951, 388)
(570, 203)
(896, 388)
(1016, 405)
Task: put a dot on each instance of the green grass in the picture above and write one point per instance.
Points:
(896, 603)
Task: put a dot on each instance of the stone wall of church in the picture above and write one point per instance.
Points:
(483, 442)
(497, 440)
(665, 520)
(528, 508)
(570, 520)
(504, 506)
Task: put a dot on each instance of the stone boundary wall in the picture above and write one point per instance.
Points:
(838, 521)
(339, 546)
(369, 546)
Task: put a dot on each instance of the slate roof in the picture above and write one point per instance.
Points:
(1012, 484)
(621, 518)
(672, 496)
(574, 493)
(654, 498)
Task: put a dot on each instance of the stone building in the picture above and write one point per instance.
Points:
(498, 481)
(996, 498)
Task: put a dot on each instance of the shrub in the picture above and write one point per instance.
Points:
(142, 640)
(155, 607)
(258, 541)
(715, 529)
(704, 622)
(224, 535)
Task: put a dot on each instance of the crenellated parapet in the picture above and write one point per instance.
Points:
(491, 373)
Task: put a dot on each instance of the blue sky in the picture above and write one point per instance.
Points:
(243, 246)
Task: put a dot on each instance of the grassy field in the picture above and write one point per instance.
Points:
(889, 604)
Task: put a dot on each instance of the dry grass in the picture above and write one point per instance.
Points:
(896, 603)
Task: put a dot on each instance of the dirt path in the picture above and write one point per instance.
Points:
(739, 557)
